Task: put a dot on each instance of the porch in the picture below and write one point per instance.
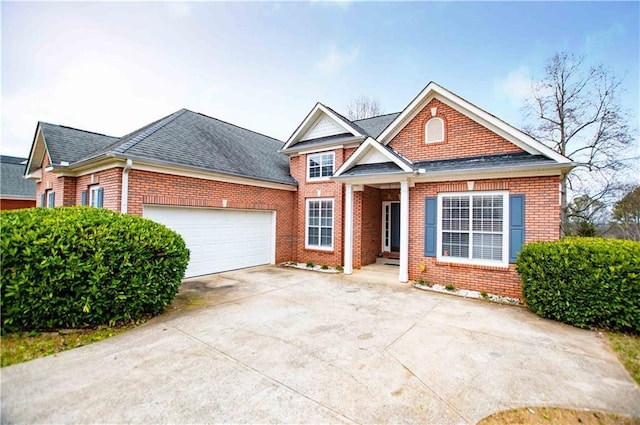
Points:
(383, 270)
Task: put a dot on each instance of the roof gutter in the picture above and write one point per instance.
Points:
(124, 197)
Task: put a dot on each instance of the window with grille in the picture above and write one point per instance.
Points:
(319, 224)
(320, 166)
(472, 227)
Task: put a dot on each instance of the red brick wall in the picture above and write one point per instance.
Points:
(16, 204)
(367, 225)
(321, 189)
(542, 216)
(68, 190)
(162, 189)
(463, 137)
(309, 190)
(49, 182)
(109, 180)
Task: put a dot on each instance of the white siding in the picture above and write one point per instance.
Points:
(323, 127)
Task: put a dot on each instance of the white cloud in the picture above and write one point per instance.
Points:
(515, 87)
(334, 60)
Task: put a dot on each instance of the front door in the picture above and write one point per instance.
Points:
(391, 226)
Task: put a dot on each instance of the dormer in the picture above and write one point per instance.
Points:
(323, 129)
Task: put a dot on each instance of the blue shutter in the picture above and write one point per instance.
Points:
(83, 201)
(516, 226)
(99, 203)
(43, 200)
(52, 200)
(430, 214)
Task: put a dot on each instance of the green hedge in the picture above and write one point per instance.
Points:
(586, 282)
(77, 267)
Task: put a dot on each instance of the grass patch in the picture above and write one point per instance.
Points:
(552, 415)
(627, 348)
(24, 346)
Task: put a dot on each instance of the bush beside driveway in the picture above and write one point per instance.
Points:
(283, 345)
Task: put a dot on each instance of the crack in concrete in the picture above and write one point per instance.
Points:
(431, 390)
(411, 327)
(271, 378)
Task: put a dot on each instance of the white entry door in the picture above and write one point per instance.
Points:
(220, 239)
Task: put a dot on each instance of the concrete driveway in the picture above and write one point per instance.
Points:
(276, 345)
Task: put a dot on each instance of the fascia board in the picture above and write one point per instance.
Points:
(320, 147)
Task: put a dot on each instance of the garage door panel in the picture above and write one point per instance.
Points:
(220, 240)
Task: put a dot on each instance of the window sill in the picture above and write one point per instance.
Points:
(323, 180)
(502, 268)
(321, 250)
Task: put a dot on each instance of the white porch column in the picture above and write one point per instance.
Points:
(348, 230)
(404, 232)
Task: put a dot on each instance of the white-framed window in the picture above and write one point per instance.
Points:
(320, 166)
(434, 130)
(95, 196)
(473, 228)
(51, 199)
(319, 224)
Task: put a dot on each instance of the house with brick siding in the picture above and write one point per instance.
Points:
(15, 191)
(449, 190)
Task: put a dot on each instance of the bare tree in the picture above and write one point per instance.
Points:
(575, 110)
(363, 107)
(626, 214)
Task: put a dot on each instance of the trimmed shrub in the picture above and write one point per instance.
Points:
(78, 266)
(586, 282)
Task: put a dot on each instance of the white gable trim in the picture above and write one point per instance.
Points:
(508, 132)
(311, 119)
(364, 153)
(39, 148)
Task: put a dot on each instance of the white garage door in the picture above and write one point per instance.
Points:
(220, 240)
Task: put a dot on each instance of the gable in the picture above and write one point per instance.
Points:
(478, 115)
(463, 137)
(322, 127)
(374, 158)
(320, 124)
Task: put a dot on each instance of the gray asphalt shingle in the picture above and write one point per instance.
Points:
(70, 144)
(12, 182)
(373, 126)
(182, 138)
(488, 161)
(195, 140)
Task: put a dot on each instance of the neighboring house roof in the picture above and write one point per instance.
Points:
(184, 138)
(13, 185)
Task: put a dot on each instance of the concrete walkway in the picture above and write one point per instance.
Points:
(276, 345)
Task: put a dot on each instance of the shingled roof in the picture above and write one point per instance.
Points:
(70, 144)
(373, 126)
(12, 182)
(183, 138)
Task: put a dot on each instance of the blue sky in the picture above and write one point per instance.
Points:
(114, 67)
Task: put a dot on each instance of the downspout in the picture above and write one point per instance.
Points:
(124, 197)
